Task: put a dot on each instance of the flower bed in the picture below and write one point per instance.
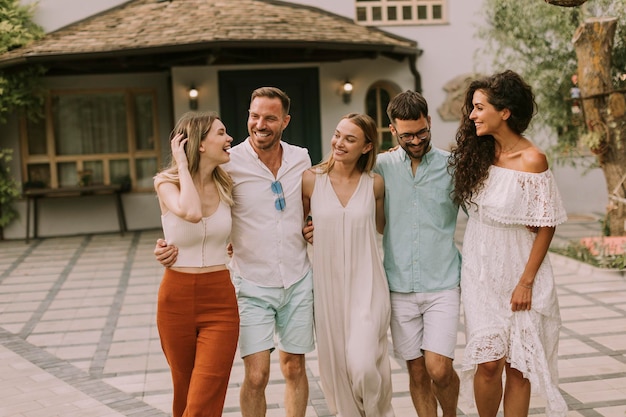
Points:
(608, 252)
(605, 245)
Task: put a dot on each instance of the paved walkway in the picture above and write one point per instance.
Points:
(78, 335)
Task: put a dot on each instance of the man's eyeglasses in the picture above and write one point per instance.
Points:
(409, 137)
(279, 203)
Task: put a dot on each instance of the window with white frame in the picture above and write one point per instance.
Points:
(92, 137)
(401, 12)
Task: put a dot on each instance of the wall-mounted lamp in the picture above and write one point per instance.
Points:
(193, 98)
(346, 91)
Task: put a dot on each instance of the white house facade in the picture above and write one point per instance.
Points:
(420, 44)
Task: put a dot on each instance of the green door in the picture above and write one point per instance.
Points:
(302, 87)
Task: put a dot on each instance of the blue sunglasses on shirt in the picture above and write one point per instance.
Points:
(279, 203)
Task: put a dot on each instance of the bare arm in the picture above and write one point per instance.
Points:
(308, 183)
(522, 294)
(532, 160)
(379, 195)
(182, 199)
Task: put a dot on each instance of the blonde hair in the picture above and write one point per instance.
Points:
(367, 161)
(195, 126)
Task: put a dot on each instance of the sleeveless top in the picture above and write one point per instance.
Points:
(351, 302)
(199, 244)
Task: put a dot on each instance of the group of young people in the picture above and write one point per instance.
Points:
(265, 199)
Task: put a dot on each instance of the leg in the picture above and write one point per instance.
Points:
(407, 331)
(177, 330)
(28, 201)
(294, 325)
(256, 341)
(420, 388)
(441, 322)
(488, 387)
(121, 217)
(445, 382)
(252, 393)
(367, 389)
(297, 384)
(35, 217)
(218, 328)
(516, 393)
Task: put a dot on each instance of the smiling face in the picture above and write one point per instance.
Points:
(266, 122)
(348, 143)
(216, 143)
(487, 119)
(413, 130)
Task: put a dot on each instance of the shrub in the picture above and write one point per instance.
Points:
(9, 189)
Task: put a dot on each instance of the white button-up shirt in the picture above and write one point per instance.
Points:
(268, 246)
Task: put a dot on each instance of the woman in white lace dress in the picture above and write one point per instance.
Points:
(512, 317)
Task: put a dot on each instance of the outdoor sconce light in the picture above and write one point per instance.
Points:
(193, 98)
(347, 91)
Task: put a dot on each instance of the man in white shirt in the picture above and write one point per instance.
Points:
(270, 265)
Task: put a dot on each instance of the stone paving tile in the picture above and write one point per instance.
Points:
(78, 334)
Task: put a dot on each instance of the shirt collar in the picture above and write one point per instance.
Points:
(425, 159)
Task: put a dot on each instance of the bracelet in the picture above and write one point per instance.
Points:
(529, 287)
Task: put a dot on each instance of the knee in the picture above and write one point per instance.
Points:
(257, 378)
(441, 374)
(363, 373)
(418, 374)
(293, 368)
(490, 370)
(515, 378)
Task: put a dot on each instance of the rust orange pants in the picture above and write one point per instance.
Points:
(198, 324)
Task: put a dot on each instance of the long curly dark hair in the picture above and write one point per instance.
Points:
(470, 160)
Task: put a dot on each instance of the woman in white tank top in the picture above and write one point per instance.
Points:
(197, 314)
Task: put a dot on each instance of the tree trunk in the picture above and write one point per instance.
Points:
(604, 111)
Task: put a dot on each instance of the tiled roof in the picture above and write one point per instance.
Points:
(142, 27)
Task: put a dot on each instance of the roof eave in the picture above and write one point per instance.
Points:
(398, 52)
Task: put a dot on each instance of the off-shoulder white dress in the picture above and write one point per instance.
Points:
(351, 302)
(496, 248)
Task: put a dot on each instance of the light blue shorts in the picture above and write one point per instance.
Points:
(425, 321)
(265, 310)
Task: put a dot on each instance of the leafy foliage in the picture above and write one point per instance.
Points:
(16, 27)
(20, 88)
(9, 188)
(535, 40)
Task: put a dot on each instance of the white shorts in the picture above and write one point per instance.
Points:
(425, 321)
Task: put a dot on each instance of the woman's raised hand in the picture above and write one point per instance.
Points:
(178, 149)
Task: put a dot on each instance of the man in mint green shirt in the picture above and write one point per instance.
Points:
(420, 257)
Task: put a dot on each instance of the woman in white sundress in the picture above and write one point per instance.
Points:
(512, 317)
(351, 296)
